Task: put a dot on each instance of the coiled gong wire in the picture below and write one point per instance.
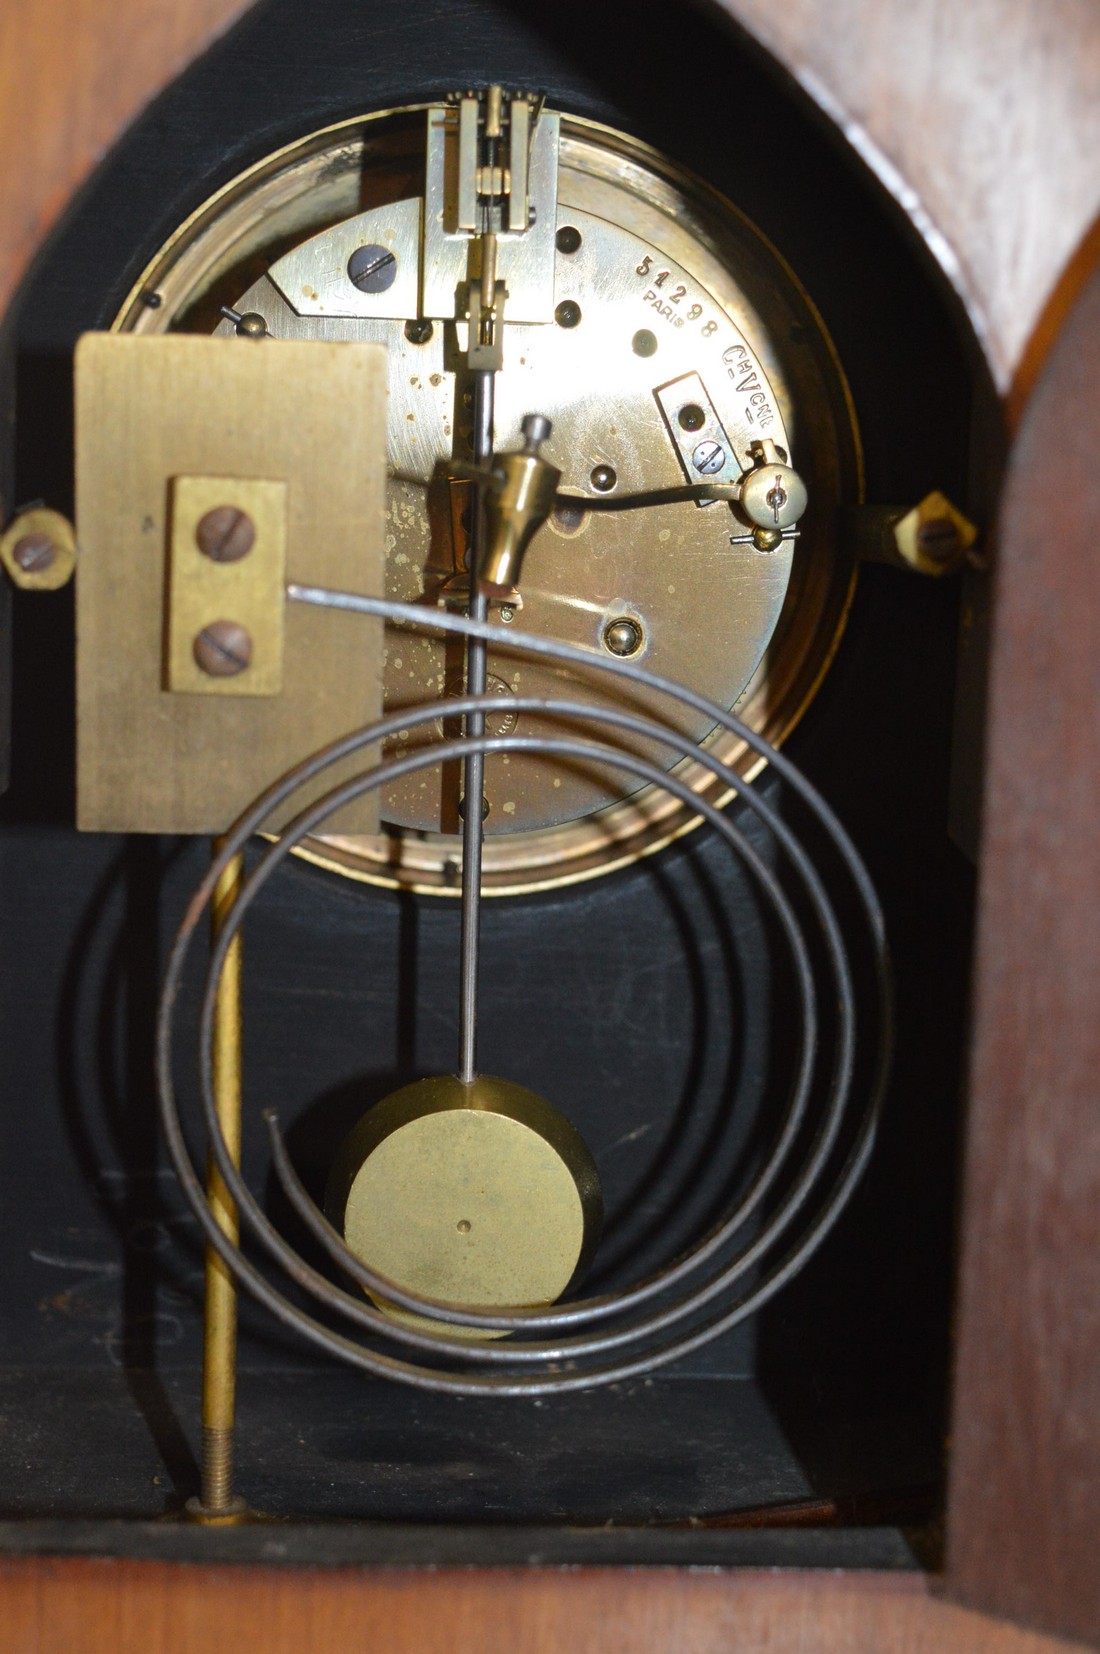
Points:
(724, 1277)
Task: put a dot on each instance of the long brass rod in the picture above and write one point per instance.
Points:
(219, 1362)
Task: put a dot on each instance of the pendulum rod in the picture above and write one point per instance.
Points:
(217, 1501)
(473, 776)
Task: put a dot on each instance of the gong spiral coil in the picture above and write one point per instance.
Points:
(796, 1193)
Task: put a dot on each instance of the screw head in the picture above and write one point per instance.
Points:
(568, 239)
(623, 637)
(418, 332)
(372, 269)
(709, 457)
(225, 534)
(603, 478)
(223, 649)
(568, 313)
(938, 539)
(34, 553)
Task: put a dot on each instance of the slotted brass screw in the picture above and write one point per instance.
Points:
(223, 649)
(225, 534)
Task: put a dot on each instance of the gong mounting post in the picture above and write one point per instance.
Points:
(217, 1503)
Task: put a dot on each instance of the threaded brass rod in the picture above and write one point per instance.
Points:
(219, 1356)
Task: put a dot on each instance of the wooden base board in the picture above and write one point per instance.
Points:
(92, 1607)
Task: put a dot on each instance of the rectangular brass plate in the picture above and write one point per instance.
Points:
(308, 414)
(249, 592)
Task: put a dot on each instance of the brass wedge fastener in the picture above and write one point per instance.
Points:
(932, 538)
(39, 550)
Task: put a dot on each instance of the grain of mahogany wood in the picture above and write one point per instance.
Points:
(85, 1607)
(1025, 1476)
(983, 119)
(73, 74)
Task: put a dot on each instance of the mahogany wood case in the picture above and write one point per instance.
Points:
(983, 121)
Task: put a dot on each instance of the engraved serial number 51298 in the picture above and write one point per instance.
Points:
(665, 302)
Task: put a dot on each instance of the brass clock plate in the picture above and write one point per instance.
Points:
(676, 339)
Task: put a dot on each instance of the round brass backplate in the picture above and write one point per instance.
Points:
(479, 1194)
(680, 301)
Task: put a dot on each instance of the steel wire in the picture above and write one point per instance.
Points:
(691, 1304)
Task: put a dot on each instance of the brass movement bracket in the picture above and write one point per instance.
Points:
(291, 434)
